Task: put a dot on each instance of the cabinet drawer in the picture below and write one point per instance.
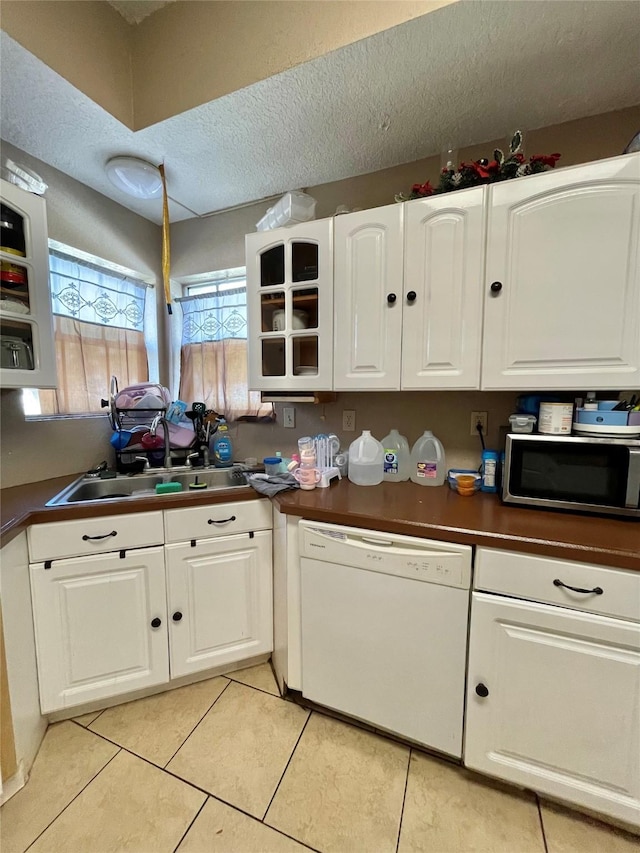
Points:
(94, 535)
(217, 520)
(532, 578)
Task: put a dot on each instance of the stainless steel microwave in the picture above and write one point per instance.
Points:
(598, 475)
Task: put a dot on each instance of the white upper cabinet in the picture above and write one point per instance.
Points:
(408, 294)
(290, 307)
(443, 272)
(368, 299)
(562, 286)
(26, 328)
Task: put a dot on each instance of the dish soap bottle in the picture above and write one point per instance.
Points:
(365, 460)
(396, 457)
(428, 466)
(222, 447)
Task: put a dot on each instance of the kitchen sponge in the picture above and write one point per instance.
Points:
(167, 488)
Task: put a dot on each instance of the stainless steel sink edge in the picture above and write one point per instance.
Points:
(130, 487)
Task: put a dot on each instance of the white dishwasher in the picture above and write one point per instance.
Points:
(384, 630)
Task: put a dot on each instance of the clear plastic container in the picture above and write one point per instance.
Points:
(428, 464)
(396, 457)
(272, 465)
(293, 207)
(366, 456)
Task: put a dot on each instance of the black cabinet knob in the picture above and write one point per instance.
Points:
(177, 616)
(496, 287)
(411, 296)
(156, 623)
(482, 690)
(391, 298)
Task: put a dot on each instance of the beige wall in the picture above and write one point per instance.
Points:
(87, 43)
(189, 53)
(82, 218)
(86, 220)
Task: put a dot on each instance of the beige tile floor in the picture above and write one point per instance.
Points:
(226, 766)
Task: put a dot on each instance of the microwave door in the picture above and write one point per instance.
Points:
(633, 480)
(571, 473)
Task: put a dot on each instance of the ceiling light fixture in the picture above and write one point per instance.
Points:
(135, 177)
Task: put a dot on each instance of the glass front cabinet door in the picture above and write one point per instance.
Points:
(290, 307)
(26, 331)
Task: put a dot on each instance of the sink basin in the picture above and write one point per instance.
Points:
(86, 489)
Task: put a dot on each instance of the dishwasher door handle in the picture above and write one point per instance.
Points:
(371, 541)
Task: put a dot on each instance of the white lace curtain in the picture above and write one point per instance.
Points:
(213, 358)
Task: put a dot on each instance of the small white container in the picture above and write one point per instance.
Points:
(299, 320)
(555, 418)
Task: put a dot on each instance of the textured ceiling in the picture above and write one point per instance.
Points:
(134, 11)
(465, 73)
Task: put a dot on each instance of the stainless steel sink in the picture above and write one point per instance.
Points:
(87, 489)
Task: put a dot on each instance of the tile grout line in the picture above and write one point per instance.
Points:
(164, 766)
(195, 817)
(544, 835)
(84, 787)
(286, 768)
(404, 799)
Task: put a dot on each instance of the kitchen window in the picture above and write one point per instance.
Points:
(103, 326)
(213, 350)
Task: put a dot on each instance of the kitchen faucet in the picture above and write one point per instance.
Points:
(167, 442)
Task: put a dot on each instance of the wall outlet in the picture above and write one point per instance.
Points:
(479, 418)
(289, 417)
(348, 420)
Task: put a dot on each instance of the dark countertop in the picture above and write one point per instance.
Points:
(436, 513)
(440, 513)
(21, 506)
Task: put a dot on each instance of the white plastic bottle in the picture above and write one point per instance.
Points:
(396, 458)
(366, 460)
(428, 465)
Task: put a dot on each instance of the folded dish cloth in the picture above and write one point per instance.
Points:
(274, 484)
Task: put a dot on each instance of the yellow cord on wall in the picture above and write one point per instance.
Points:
(166, 249)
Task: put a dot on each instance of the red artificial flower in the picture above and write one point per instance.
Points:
(493, 166)
(423, 189)
(545, 159)
(519, 157)
(480, 171)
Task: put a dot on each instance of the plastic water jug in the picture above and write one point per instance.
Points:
(428, 465)
(366, 460)
(396, 457)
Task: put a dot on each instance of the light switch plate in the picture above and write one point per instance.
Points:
(289, 417)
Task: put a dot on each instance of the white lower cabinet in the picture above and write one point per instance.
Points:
(220, 601)
(113, 623)
(100, 624)
(553, 702)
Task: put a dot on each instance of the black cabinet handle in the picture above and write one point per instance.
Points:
(177, 616)
(391, 298)
(482, 690)
(411, 296)
(156, 623)
(222, 520)
(496, 287)
(597, 590)
(86, 538)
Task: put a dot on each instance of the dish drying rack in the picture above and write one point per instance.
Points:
(327, 446)
(138, 418)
